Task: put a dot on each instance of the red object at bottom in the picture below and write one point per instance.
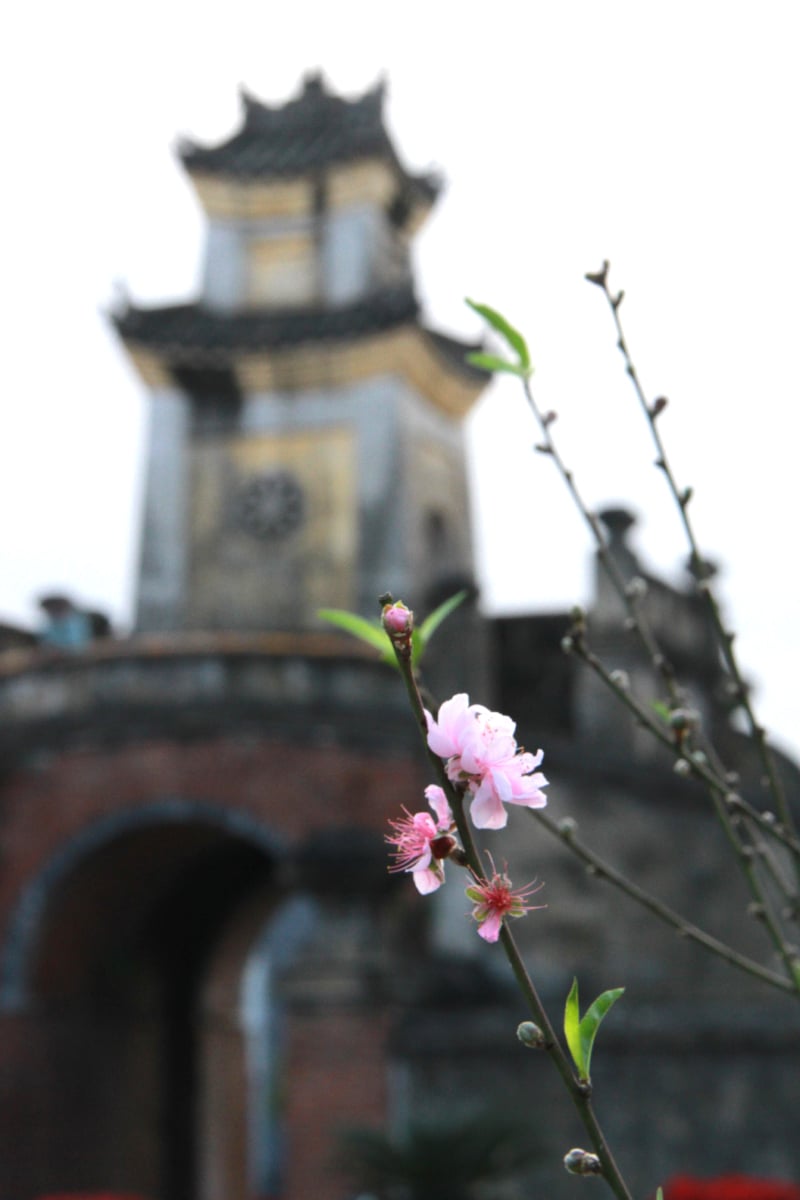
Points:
(729, 1187)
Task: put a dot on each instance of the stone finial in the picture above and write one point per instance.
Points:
(617, 522)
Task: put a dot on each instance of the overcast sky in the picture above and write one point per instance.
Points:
(661, 137)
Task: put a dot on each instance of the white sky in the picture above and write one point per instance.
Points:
(662, 137)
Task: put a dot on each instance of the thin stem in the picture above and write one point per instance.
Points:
(719, 796)
(763, 910)
(682, 498)
(603, 870)
(698, 766)
(630, 597)
(775, 871)
(455, 796)
(579, 1091)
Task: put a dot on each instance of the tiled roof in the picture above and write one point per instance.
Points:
(317, 129)
(181, 327)
(191, 335)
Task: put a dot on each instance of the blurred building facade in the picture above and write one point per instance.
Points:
(206, 972)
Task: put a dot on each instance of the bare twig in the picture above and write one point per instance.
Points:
(699, 565)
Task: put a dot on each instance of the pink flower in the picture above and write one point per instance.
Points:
(481, 753)
(495, 899)
(421, 844)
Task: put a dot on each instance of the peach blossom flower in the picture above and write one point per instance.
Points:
(495, 899)
(481, 753)
(421, 844)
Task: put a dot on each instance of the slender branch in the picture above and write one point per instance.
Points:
(697, 765)
(682, 498)
(630, 596)
(765, 821)
(565, 830)
(579, 1091)
(775, 871)
(762, 909)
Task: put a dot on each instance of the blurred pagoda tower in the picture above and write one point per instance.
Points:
(306, 424)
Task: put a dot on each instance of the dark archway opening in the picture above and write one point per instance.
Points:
(127, 940)
(181, 939)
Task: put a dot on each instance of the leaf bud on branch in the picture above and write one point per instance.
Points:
(531, 1035)
(598, 278)
(581, 1162)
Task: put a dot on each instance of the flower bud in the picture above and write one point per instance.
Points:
(397, 619)
(531, 1035)
(598, 278)
(581, 1162)
(681, 719)
(443, 847)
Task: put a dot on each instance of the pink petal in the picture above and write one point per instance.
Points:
(438, 802)
(427, 881)
(487, 810)
(423, 861)
(531, 761)
(526, 791)
(424, 822)
(443, 736)
(502, 785)
(489, 929)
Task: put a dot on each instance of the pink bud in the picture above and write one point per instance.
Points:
(397, 619)
(443, 846)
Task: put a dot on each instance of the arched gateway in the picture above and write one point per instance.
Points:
(197, 921)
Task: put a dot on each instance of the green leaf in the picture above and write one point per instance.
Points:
(592, 1018)
(506, 331)
(581, 1032)
(370, 632)
(490, 362)
(659, 1193)
(661, 710)
(572, 1022)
